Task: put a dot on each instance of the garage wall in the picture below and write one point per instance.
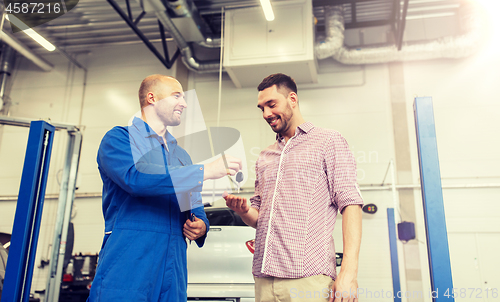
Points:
(466, 103)
(354, 100)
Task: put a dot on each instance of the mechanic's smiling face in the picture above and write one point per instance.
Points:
(171, 102)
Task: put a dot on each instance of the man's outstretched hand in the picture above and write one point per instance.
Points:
(236, 203)
(240, 206)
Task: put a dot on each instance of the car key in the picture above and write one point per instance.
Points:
(239, 179)
(192, 218)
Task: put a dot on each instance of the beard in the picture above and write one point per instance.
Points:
(175, 121)
(283, 120)
(170, 119)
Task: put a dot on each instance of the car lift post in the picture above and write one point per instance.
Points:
(19, 271)
(393, 244)
(432, 198)
(65, 206)
(66, 197)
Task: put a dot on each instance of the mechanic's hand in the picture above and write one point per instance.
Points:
(236, 203)
(194, 229)
(217, 168)
(345, 288)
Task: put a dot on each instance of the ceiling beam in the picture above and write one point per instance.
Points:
(402, 24)
(166, 61)
(353, 13)
(394, 18)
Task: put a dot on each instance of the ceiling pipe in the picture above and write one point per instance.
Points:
(25, 51)
(449, 47)
(210, 42)
(191, 62)
(6, 66)
(180, 8)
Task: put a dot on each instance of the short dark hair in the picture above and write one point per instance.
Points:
(280, 80)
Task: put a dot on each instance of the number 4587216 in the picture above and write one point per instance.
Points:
(33, 8)
(471, 292)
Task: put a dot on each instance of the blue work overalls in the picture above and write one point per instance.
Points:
(143, 255)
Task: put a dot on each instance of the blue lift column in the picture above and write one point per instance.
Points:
(393, 244)
(432, 197)
(20, 263)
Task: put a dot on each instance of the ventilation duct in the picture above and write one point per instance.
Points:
(186, 16)
(211, 42)
(450, 47)
(6, 66)
(186, 9)
(186, 51)
(180, 8)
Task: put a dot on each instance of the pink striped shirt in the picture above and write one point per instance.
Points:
(299, 188)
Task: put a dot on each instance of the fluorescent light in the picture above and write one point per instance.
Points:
(268, 9)
(436, 15)
(434, 7)
(30, 32)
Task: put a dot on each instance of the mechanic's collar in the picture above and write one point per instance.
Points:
(146, 130)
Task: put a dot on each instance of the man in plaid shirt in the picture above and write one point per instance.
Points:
(302, 181)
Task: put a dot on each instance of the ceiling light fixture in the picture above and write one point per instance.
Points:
(30, 32)
(427, 16)
(268, 9)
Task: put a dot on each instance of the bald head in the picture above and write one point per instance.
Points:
(154, 84)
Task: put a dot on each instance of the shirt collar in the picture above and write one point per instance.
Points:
(304, 127)
(147, 132)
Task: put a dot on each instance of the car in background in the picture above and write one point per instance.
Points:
(3, 265)
(4, 251)
(222, 269)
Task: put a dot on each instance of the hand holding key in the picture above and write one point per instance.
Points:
(239, 179)
(194, 228)
(224, 165)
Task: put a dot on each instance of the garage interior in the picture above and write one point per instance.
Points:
(359, 65)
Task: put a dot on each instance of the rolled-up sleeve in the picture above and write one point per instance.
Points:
(341, 173)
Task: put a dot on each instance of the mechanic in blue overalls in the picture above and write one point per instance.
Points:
(151, 189)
